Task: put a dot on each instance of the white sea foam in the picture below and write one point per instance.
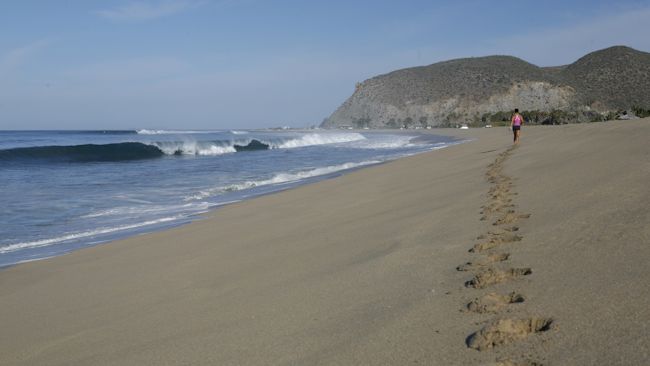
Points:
(130, 211)
(72, 236)
(195, 148)
(313, 139)
(293, 177)
(384, 142)
(171, 132)
(282, 178)
(190, 147)
(235, 132)
(33, 260)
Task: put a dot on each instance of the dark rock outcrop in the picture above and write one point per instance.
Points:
(252, 146)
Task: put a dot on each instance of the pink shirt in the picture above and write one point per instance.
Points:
(517, 120)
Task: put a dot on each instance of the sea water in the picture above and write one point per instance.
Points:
(65, 190)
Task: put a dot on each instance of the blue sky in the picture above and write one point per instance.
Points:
(253, 63)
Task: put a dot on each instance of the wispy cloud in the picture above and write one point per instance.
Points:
(556, 46)
(128, 71)
(13, 58)
(147, 10)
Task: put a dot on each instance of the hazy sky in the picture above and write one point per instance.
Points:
(259, 63)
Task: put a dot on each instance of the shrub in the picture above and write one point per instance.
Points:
(361, 122)
(641, 112)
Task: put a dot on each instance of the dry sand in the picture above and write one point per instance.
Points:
(362, 269)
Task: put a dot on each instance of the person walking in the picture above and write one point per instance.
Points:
(515, 124)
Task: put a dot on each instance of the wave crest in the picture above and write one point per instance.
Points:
(195, 147)
(172, 132)
(313, 139)
(123, 151)
(84, 153)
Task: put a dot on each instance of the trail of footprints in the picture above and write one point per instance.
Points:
(489, 268)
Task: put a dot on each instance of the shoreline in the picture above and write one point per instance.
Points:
(64, 248)
(361, 269)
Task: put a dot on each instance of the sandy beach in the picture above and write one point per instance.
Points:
(375, 267)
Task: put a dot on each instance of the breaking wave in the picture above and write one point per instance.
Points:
(124, 151)
(314, 139)
(173, 132)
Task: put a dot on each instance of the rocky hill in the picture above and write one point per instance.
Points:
(474, 90)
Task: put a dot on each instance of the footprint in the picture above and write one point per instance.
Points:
(502, 182)
(492, 276)
(468, 266)
(492, 302)
(520, 363)
(495, 242)
(510, 217)
(497, 206)
(480, 247)
(492, 258)
(506, 331)
(498, 257)
(498, 199)
(503, 230)
(499, 194)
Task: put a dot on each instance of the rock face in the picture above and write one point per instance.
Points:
(465, 90)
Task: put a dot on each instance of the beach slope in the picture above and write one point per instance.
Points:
(362, 269)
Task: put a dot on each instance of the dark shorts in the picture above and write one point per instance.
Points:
(516, 128)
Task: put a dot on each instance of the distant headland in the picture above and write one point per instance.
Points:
(605, 84)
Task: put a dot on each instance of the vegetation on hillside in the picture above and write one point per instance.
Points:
(599, 86)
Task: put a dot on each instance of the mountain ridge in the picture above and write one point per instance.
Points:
(469, 89)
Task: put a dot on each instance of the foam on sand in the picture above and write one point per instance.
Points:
(278, 179)
(86, 234)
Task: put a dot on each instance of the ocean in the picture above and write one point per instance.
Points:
(66, 190)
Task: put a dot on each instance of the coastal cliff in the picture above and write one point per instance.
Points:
(484, 89)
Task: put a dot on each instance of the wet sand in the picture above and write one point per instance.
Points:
(375, 268)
